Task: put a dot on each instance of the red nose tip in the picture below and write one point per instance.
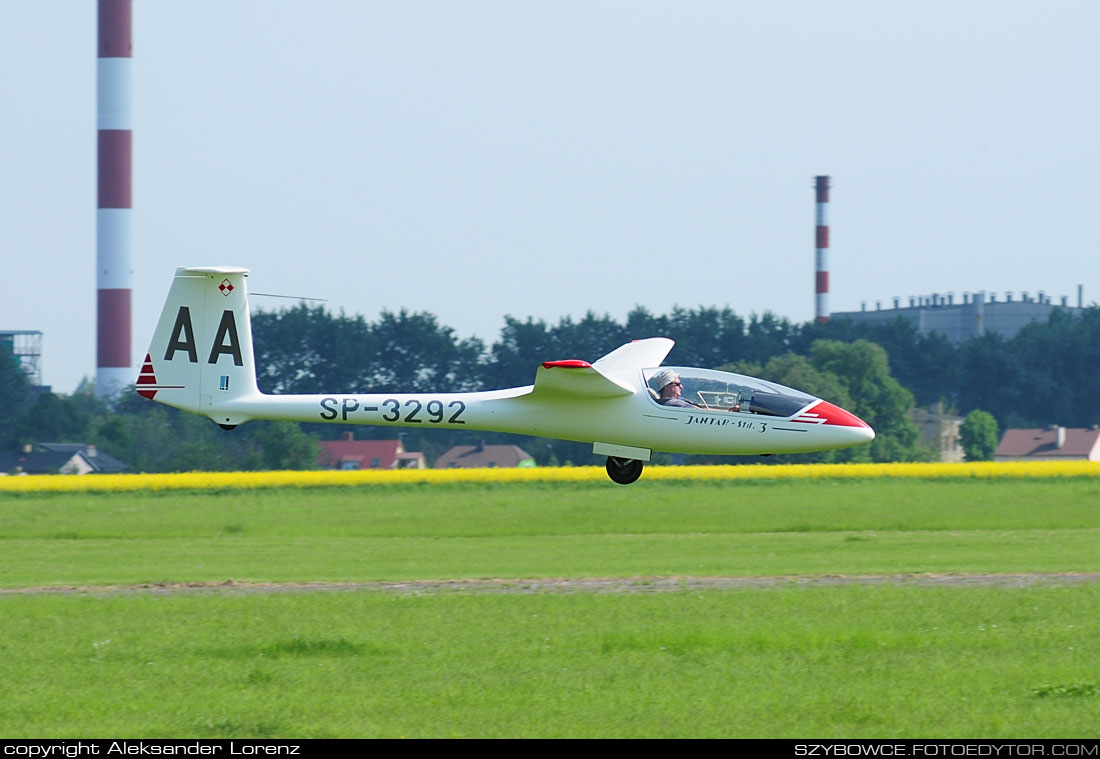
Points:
(838, 416)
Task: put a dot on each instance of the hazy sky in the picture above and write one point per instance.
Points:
(477, 159)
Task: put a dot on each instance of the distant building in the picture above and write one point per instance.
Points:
(939, 431)
(349, 453)
(1050, 444)
(485, 456)
(975, 316)
(60, 458)
(25, 345)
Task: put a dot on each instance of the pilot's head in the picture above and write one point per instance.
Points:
(666, 382)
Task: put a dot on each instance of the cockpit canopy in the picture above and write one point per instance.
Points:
(712, 390)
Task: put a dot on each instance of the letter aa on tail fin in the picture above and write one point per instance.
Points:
(201, 357)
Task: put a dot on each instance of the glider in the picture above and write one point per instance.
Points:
(625, 404)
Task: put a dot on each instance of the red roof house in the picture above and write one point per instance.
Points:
(481, 455)
(349, 453)
(1050, 444)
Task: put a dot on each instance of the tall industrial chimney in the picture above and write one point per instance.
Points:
(821, 302)
(114, 264)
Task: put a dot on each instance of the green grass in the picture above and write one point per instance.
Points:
(442, 532)
(62, 562)
(778, 662)
(782, 661)
(560, 509)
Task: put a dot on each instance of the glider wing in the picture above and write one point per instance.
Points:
(576, 378)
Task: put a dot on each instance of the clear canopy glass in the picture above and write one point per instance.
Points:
(712, 390)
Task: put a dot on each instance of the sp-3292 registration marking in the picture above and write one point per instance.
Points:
(412, 411)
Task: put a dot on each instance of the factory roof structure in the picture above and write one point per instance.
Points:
(976, 315)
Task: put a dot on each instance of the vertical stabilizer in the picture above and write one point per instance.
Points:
(201, 356)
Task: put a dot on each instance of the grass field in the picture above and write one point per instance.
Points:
(783, 660)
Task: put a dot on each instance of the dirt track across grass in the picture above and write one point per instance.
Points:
(585, 585)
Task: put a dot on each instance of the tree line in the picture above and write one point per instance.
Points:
(1042, 376)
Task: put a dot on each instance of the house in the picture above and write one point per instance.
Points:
(1051, 444)
(60, 458)
(349, 453)
(939, 431)
(484, 456)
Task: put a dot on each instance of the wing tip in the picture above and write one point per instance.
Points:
(571, 363)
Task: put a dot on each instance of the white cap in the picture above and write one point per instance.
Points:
(664, 377)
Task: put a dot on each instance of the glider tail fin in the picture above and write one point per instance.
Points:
(201, 357)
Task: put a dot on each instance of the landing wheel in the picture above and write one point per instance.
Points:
(623, 471)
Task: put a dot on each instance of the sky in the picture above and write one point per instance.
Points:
(542, 159)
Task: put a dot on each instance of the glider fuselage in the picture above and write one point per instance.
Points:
(201, 360)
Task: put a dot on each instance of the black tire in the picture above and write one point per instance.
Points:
(623, 471)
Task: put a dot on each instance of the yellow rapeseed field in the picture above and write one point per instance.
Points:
(366, 478)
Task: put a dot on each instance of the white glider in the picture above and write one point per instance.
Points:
(201, 360)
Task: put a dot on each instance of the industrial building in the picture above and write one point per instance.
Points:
(978, 314)
(25, 345)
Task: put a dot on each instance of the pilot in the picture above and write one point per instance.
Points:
(669, 388)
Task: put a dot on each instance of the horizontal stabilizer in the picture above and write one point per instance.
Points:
(578, 379)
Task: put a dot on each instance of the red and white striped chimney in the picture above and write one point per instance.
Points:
(114, 260)
(821, 298)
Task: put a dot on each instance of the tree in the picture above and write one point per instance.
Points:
(1057, 376)
(877, 397)
(589, 339)
(706, 337)
(979, 435)
(990, 378)
(154, 438)
(514, 358)
(306, 349)
(414, 353)
(54, 418)
(768, 336)
(641, 324)
(14, 396)
(283, 445)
